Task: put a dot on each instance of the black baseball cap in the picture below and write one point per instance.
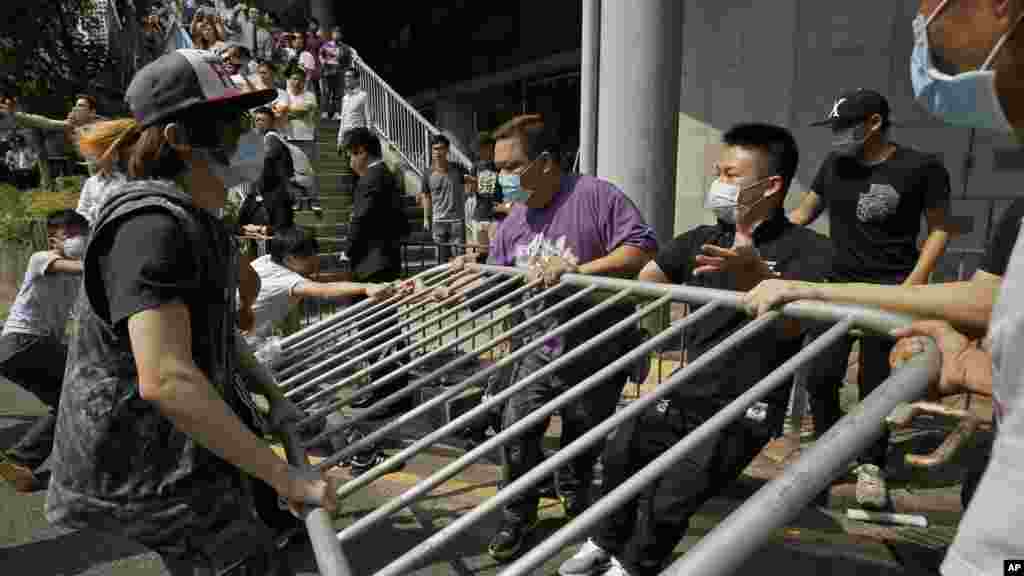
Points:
(192, 81)
(854, 107)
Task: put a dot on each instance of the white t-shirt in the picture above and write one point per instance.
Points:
(990, 530)
(274, 300)
(44, 301)
(302, 127)
(94, 193)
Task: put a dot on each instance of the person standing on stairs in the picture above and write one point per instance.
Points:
(354, 115)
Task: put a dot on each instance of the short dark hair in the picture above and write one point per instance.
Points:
(313, 20)
(775, 143)
(243, 52)
(440, 139)
(353, 72)
(66, 218)
(267, 63)
(87, 98)
(363, 138)
(294, 241)
(263, 110)
(534, 134)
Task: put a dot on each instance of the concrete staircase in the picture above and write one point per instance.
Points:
(331, 224)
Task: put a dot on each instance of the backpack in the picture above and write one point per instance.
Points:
(303, 176)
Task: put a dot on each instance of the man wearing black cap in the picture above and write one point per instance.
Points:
(875, 191)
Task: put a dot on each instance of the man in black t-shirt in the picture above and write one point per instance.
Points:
(876, 192)
(752, 240)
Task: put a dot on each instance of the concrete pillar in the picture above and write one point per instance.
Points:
(323, 11)
(637, 119)
(589, 75)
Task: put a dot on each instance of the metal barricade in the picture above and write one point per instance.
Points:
(489, 298)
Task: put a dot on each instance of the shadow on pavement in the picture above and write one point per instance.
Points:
(69, 553)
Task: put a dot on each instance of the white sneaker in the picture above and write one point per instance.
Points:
(871, 489)
(589, 560)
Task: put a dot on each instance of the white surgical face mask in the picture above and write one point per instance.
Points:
(967, 100)
(74, 247)
(724, 199)
(245, 165)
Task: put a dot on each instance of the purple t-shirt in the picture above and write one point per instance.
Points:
(587, 219)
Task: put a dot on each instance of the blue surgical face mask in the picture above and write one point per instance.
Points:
(511, 184)
(968, 99)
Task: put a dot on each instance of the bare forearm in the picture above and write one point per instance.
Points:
(624, 261)
(41, 122)
(965, 305)
(932, 250)
(190, 402)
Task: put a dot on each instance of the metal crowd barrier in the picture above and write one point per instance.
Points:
(358, 335)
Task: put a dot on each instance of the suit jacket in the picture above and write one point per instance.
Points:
(378, 224)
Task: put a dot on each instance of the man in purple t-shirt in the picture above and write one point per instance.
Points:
(560, 223)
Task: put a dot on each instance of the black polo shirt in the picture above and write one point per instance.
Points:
(875, 212)
(795, 252)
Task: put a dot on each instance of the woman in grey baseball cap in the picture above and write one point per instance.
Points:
(153, 428)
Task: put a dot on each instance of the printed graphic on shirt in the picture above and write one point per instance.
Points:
(540, 248)
(880, 201)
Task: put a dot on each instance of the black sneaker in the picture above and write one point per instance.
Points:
(509, 540)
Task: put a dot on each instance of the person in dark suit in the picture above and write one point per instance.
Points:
(378, 222)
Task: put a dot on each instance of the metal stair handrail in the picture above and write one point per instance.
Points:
(399, 122)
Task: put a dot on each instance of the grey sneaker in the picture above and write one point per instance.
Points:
(871, 489)
(589, 560)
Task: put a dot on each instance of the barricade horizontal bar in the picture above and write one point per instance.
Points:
(431, 545)
(409, 366)
(519, 428)
(476, 378)
(374, 334)
(740, 534)
(348, 361)
(406, 368)
(375, 312)
(309, 331)
(706, 432)
(873, 319)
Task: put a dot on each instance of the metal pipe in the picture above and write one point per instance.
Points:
(383, 310)
(740, 534)
(452, 391)
(330, 558)
(597, 434)
(535, 418)
(305, 333)
(313, 339)
(383, 345)
(384, 323)
(406, 368)
(589, 72)
(704, 433)
(462, 359)
(872, 319)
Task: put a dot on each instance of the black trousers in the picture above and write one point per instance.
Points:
(521, 454)
(824, 376)
(383, 277)
(35, 363)
(643, 533)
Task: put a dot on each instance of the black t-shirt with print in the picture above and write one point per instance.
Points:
(794, 252)
(997, 255)
(875, 212)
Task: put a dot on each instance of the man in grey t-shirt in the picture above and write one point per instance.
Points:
(443, 198)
